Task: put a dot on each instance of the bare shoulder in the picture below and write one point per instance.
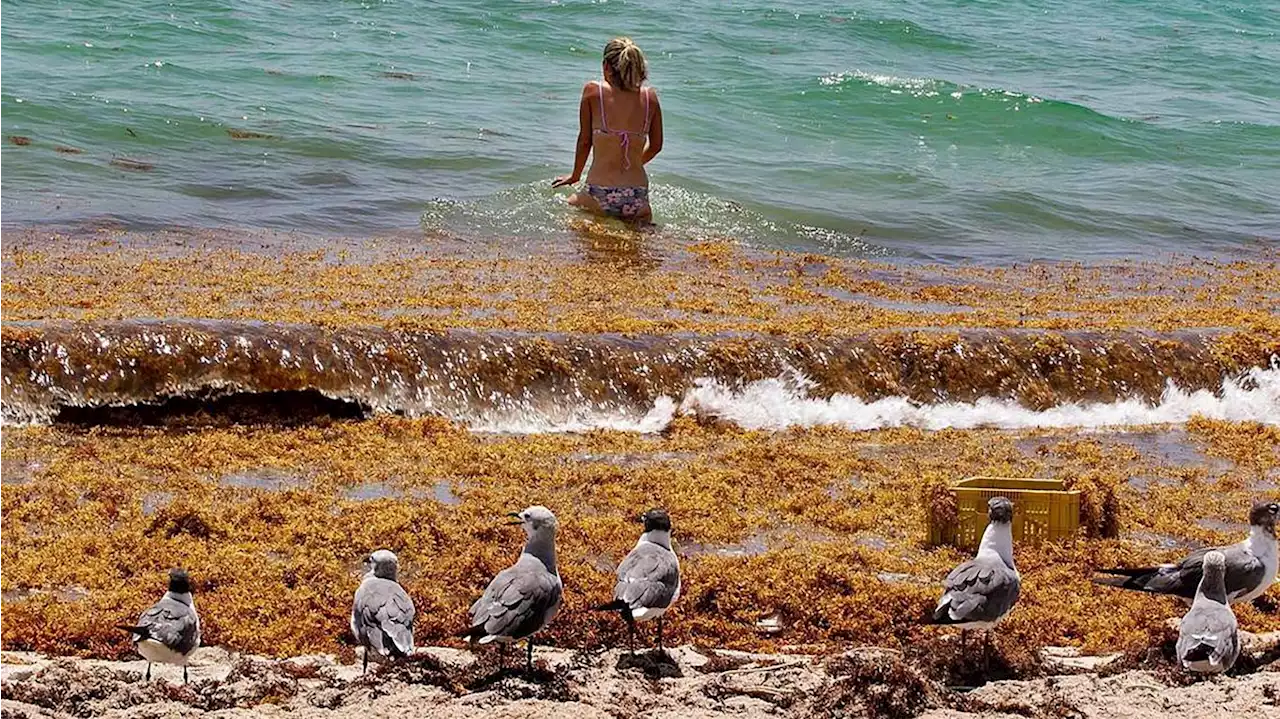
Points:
(590, 89)
(653, 92)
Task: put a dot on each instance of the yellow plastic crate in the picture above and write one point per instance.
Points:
(1042, 509)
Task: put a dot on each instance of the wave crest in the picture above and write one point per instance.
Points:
(527, 382)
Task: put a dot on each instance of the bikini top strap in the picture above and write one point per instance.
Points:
(644, 94)
(603, 124)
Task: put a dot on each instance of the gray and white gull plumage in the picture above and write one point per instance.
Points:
(1249, 566)
(169, 631)
(981, 592)
(648, 578)
(382, 613)
(1208, 637)
(523, 598)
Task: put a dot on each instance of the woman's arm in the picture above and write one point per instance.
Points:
(655, 130)
(583, 148)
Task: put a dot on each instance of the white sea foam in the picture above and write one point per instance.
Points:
(921, 86)
(788, 401)
(556, 420)
(780, 403)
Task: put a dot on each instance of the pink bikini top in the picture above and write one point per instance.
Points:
(624, 135)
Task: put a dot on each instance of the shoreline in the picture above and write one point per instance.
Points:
(687, 681)
(575, 224)
(148, 372)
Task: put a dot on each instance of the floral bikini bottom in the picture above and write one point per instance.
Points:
(622, 202)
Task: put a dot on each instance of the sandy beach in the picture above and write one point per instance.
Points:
(686, 681)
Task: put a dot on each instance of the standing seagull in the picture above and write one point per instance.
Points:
(169, 631)
(980, 592)
(524, 597)
(649, 577)
(1250, 565)
(1208, 639)
(382, 615)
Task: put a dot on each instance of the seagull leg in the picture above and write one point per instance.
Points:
(528, 665)
(659, 635)
(184, 674)
(986, 654)
(148, 671)
(365, 670)
(631, 637)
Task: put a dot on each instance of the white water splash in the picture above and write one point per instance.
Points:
(549, 422)
(780, 403)
(787, 401)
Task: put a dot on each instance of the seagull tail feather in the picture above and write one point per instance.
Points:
(617, 605)
(142, 632)
(941, 615)
(1199, 653)
(1124, 578)
(399, 641)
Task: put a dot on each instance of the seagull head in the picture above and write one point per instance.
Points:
(385, 565)
(1216, 560)
(1000, 510)
(179, 581)
(1214, 566)
(656, 519)
(1265, 514)
(536, 520)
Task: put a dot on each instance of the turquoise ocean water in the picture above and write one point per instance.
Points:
(991, 130)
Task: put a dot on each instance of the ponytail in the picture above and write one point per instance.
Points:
(627, 63)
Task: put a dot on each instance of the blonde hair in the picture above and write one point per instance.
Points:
(626, 61)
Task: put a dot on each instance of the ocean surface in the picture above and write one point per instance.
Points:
(949, 130)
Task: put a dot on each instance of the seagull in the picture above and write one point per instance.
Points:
(648, 578)
(382, 615)
(524, 597)
(1250, 565)
(980, 592)
(1208, 639)
(169, 631)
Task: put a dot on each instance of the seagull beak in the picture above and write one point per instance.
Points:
(515, 516)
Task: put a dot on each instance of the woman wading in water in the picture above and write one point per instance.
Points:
(620, 126)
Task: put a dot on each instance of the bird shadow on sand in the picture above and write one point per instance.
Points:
(417, 669)
(962, 667)
(655, 664)
(517, 683)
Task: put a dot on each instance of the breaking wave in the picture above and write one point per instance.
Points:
(780, 403)
(149, 372)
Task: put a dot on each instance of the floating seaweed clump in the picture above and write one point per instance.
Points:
(126, 163)
(237, 134)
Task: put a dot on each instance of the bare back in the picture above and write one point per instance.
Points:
(621, 126)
